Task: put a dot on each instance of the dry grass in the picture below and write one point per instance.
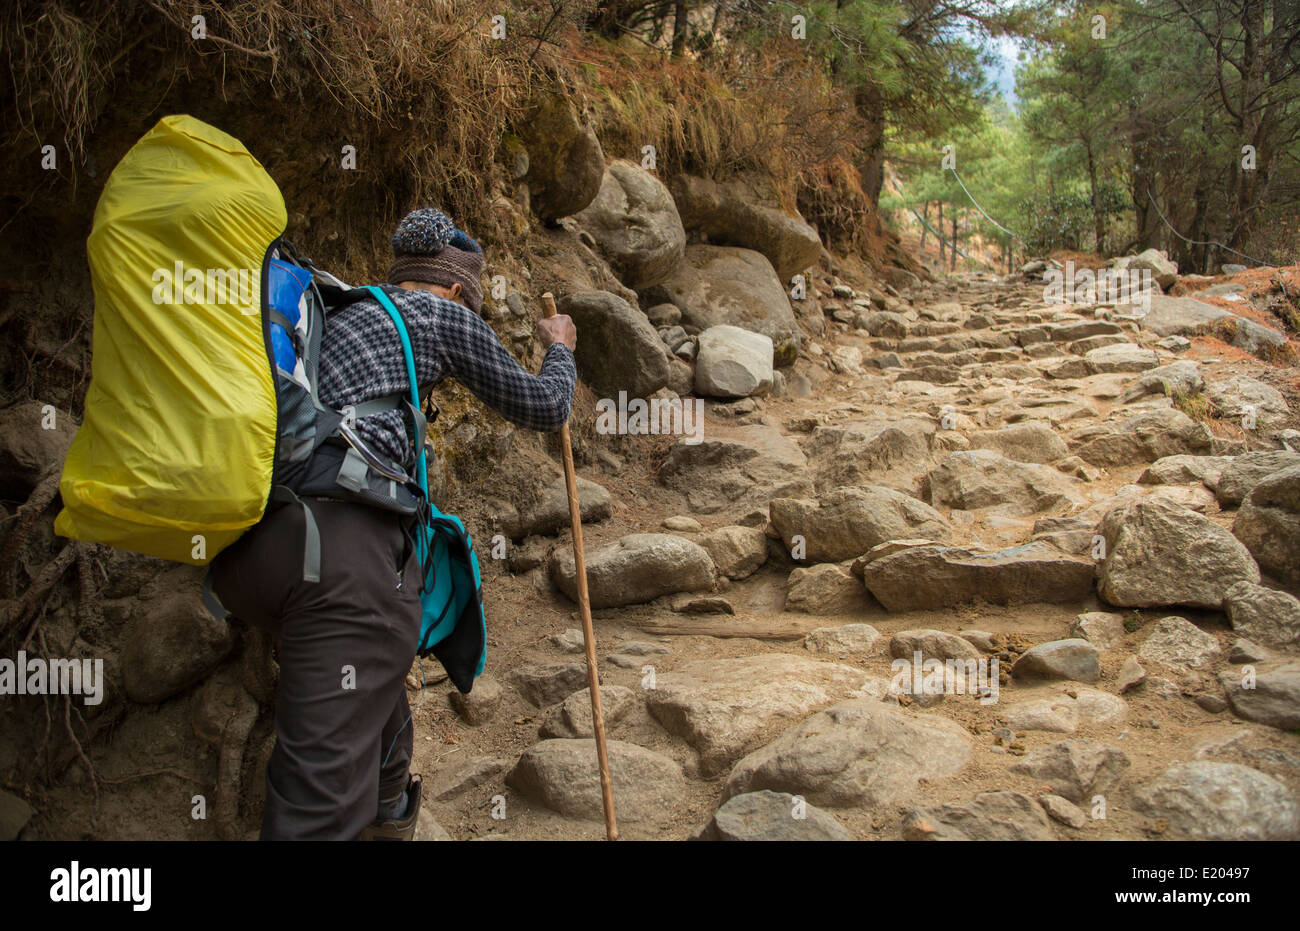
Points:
(1194, 404)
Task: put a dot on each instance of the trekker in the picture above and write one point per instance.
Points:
(341, 764)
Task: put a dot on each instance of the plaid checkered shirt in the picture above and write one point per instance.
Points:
(361, 359)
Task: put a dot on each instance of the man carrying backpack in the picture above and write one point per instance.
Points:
(341, 764)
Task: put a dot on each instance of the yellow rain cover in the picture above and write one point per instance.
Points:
(175, 456)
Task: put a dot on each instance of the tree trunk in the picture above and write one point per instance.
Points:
(954, 239)
(1098, 218)
(680, 29)
(925, 218)
(939, 237)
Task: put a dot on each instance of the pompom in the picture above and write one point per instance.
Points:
(462, 240)
(423, 232)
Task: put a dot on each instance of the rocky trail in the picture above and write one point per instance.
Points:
(958, 472)
(736, 677)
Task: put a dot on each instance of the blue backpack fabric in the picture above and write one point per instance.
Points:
(453, 626)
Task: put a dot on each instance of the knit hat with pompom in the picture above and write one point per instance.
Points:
(428, 248)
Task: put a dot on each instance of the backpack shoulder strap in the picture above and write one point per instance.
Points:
(386, 302)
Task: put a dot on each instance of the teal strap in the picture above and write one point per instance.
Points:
(422, 470)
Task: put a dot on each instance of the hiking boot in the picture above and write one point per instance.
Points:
(395, 829)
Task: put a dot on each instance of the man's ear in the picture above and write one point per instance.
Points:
(456, 291)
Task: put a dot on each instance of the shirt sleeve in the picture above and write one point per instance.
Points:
(469, 351)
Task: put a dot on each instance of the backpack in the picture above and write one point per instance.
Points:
(202, 412)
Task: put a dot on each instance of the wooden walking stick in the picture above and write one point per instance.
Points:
(584, 607)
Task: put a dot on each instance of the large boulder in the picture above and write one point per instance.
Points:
(1158, 553)
(635, 225)
(721, 284)
(1268, 523)
(1120, 357)
(1269, 697)
(1179, 316)
(1157, 263)
(1178, 644)
(1243, 399)
(550, 511)
(729, 214)
(1263, 615)
(826, 588)
(859, 753)
(565, 161)
(618, 349)
(172, 644)
(637, 568)
(1221, 801)
(1032, 572)
(737, 551)
(1075, 769)
(982, 478)
(733, 363)
(765, 815)
(743, 470)
(1028, 441)
(1144, 437)
(988, 816)
(563, 775)
(893, 452)
(723, 708)
(1181, 377)
(33, 441)
(1241, 474)
(1074, 659)
(845, 523)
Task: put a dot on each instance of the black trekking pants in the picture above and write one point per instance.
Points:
(342, 721)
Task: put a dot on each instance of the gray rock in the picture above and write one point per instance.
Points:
(1157, 263)
(846, 522)
(1131, 675)
(733, 363)
(849, 638)
(1029, 441)
(484, 698)
(1268, 523)
(858, 753)
(1242, 473)
(731, 213)
(988, 816)
(1265, 615)
(568, 641)
(1221, 801)
(764, 815)
(724, 707)
(745, 469)
(1272, 697)
(1121, 357)
(573, 717)
(635, 225)
(477, 771)
(893, 452)
(1065, 712)
(1072, 659)
(982, 478)
(1075, 769)
(1099, 628)
(1184, 470)
(1177, 643)
(547, 683)
(1182, 377)
(1239, 396)
(172, 644)
(1231, 268)
(1246, 651)
(636, 568)
(1144, 437)
(1032, 572)
(932, 644)
(550, 512)
(565, 161)
(737, 552)
(722, 285)
(1063, 811)
(563, 776)
(1179, 316)
(825, 588)
(1161, 554)
(27, 449)
(619, 349)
